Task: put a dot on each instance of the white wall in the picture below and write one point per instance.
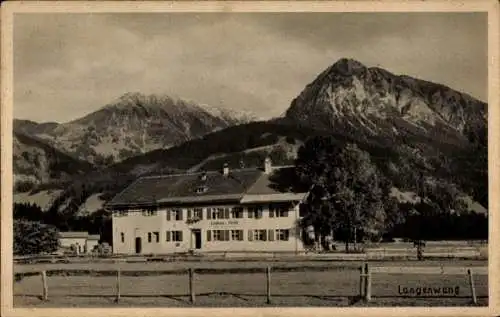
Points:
(137, 225)
(67, 242)
(90, 244)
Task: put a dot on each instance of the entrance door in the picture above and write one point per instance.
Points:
(138, 245)
(197, 239)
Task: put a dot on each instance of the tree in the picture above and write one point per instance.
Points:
(32, 237)
(346, 190)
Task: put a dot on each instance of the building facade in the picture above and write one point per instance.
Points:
(79, 241)
(239, 210)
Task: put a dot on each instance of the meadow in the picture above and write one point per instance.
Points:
(242, 284)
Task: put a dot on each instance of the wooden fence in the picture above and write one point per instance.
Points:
(366, 274)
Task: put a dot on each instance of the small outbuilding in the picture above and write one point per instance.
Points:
(80, 242)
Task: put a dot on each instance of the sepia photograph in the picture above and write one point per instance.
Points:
(246, 159)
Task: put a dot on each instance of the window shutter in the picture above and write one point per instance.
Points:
(271, 212)
(168, 214)
(180, 236)
(259, 213)
(271, 234)
(226, 235)
(201, 213)
(209, 214)
(226, 213)
(250, 213)
(189, 213)
(265, 235)
(181, 211)
(168, 236)
(209, 235)
(250, 235)
(285, 213)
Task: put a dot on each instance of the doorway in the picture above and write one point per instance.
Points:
(138, 245)
(197, 239)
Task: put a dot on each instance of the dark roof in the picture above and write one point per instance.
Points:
(181, 188)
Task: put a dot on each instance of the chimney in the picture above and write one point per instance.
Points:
(268, 166)
(225, 169)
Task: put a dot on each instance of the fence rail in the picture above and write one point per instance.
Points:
(366, 273)
(369, 255)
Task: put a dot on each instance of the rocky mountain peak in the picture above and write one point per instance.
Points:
(347, 66)
(350, 96)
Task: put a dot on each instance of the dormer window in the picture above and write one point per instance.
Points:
(201, 189)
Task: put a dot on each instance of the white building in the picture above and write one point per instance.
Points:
(82, 242)
(227, 210)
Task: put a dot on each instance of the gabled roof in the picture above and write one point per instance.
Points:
(182, 189)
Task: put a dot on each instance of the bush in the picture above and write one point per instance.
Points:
(32, 237)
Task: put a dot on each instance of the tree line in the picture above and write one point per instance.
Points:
(350, 198)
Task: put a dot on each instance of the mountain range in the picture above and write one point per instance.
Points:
(408, 126)
(132, 125)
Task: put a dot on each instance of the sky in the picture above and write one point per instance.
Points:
(67, 65)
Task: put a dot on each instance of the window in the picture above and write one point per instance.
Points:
(195, 213)
(156, 236)
(218, 213)
(174, 214)
(198, 213)
(122, 237)
(218, 235)
(257, 235)
(282, 234)
(149, 212)
(201, 189)
(174, 236)
(237, 235)
(278, 210)
(237, 213)
(255, 212)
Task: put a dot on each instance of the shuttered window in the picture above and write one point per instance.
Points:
(250, 235)
(209, 235)
(198, 212)
(283, 234)
(168, 236)
(168, 214)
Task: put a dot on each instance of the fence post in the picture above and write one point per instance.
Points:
(118, 273)
(191, 285)
(472, 288)
(45, 294)
(368, 283)
(268, 289)
(361, 279)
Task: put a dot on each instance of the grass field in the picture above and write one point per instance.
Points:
(339, 286)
